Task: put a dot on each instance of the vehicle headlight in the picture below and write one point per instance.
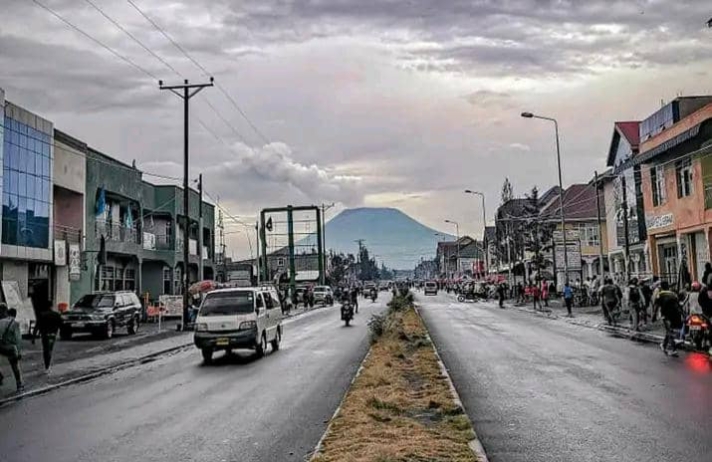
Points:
(248, 325)
(201, 327)
(97, 317)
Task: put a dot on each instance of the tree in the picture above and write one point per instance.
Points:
(368, 268)
(385, 274)
(537, 233)
(507, 191)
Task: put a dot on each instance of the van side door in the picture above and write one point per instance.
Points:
(261, 314)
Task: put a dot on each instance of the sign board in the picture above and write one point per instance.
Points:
(240, 278)
(573, 256)
(659, 221)
(171, 305)
(25, 311)
(75, 262)
(149, 241)
(60, 253)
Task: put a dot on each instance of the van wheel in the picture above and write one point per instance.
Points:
(277, 339)
(207, 355)
(261, 348)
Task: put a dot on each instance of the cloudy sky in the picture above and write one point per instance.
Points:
(362, 103)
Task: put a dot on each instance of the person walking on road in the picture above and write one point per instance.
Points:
(545, 292)
(11, 346)
(48, 324)
(611, 297)
(568, 297)
(669, 306)
(536, 295)
(500, 294)
(636, 304)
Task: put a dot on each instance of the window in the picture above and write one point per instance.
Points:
(167, 280)
(268, 300)
(683, 172)
(130, 279)
(657, 183)
(26, 200)
(589, 235)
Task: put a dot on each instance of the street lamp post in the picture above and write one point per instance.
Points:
(484, 227)
(529, 115)
(457, 231)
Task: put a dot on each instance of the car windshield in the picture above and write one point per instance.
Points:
(218, 304)
(95, 301)
(321, 289)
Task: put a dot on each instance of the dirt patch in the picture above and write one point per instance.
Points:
(400, 408)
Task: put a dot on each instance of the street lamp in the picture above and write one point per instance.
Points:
(484, 226)
(457, 231)
(529, 115)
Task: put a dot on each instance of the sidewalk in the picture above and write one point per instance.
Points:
(85, 357)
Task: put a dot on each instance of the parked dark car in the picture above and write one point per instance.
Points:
(101, 313)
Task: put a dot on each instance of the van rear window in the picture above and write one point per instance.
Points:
(227, 303)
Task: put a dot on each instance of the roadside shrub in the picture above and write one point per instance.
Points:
(377, 325)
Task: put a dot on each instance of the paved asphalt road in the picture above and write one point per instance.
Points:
(238, 409)
(539, 389)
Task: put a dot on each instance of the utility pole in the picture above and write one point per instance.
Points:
(360, 248)
(600, 225)
(188, 91)
(200, 230)
(324, 208)
(626, 256)
(221, 227)
(257, 232)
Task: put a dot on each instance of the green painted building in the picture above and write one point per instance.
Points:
(142, 226)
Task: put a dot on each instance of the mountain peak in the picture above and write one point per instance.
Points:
(392, 236)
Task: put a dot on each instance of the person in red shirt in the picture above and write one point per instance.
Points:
(536, 295)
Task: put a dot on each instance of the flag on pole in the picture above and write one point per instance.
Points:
(101, 202)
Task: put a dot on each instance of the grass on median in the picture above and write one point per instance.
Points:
(400, 408)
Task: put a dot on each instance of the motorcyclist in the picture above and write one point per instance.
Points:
(373, 293)
(669, 305)
(611, 297)
(636, 302)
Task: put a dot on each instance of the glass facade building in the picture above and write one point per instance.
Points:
(27, 185)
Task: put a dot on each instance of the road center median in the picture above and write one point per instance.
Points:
(400, 406)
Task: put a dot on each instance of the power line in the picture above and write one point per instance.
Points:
(205, 71)
(120, 27)
(95, 40)
(165, 34)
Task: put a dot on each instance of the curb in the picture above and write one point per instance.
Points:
(94, 374)
(475, 444)
(320, 443)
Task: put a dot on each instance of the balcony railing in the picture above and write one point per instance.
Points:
(67, 233)
(117, 232)
(156, 241)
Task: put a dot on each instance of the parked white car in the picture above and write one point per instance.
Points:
(238, 318)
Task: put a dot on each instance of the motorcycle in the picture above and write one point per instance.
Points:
(699, 328)
(347, 312)
(467, 296)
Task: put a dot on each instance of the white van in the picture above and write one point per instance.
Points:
(238, 318)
